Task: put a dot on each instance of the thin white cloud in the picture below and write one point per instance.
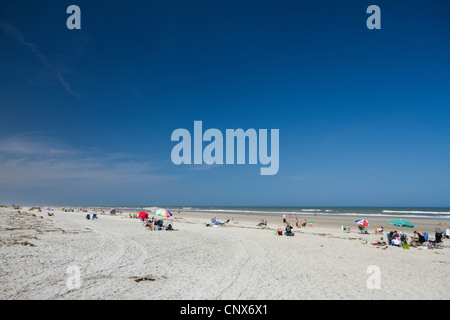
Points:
(18, 36)
(28, 162)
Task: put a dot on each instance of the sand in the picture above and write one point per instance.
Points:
(118, 258)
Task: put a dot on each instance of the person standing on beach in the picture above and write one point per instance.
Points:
(284, 218)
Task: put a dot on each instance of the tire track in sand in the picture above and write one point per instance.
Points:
(250, 257)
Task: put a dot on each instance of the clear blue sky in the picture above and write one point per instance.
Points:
(87, 115)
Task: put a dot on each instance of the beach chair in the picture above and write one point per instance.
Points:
(94, 216)
(361, 228)
(221, 224)
(388, 235)
(437, 242)
(422, 239)
(404, 238)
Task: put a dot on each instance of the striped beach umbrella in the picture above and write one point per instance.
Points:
(363, 222)
(163, 213)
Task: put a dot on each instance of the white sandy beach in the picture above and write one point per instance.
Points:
(238, 262)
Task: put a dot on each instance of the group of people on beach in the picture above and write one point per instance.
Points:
(400, 239)
(288, 228)
(154, 225)
(297, 224)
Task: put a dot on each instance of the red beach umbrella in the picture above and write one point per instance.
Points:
(143, 215)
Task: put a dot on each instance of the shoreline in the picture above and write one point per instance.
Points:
(328, 221)
(421, 223)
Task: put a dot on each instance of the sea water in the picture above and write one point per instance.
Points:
(396, 212)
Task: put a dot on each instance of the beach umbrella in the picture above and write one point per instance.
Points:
(401, 223)
(143, 215)
(363, 222)
(163, 213)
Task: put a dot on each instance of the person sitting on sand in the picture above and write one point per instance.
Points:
(361, 228)
(262, 223)
(152, 225)
(304, 223)
(381, 242)
(414, 239)
(288, 230)
(447, 233)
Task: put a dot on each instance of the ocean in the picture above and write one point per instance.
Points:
(396, 212)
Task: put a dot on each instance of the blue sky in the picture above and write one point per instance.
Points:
(87, 115)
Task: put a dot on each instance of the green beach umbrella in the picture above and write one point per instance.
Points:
(401, 223)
